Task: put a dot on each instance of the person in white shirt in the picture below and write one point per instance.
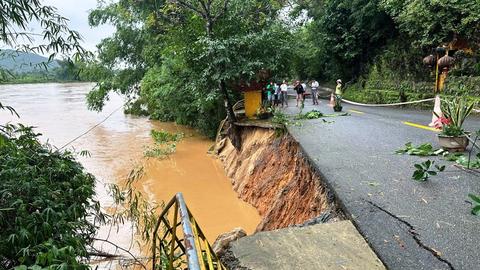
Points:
(284, 96)
(314, 85)
(276, 100)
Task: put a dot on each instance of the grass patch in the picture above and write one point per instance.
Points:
(165, 144)
(163, 136)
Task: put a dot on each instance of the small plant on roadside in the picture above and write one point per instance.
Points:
(282, 120)
(476, 204)
(424, 170)
(465, 161)
(455, 112)
(425, 149)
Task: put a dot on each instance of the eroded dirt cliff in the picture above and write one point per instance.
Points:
(272, 174)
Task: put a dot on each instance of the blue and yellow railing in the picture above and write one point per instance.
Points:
(178, 241)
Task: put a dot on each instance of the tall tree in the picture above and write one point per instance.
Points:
(218, 42)
(431, 22)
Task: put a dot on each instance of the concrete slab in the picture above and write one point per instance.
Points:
(323, 246)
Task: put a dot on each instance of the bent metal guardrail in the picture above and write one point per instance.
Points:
(190, 249)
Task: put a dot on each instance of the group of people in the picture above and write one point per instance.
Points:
(276, 93)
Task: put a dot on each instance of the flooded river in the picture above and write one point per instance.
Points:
(116, 146)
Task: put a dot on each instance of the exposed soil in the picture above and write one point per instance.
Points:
(271, 173)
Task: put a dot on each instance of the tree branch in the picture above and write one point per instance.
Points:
(122, 249)
(223, 11)
(190, 6)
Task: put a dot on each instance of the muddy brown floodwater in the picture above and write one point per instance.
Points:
(116, 146)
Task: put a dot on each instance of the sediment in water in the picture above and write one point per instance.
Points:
(271, 173)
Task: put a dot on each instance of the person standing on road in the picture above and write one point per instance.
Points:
(300, 92)
(338, 92)
(276, 97)
(338, 88)
(270, 92)
(284, 96)
(314, 86)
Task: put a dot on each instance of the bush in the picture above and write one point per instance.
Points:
(463, 85)
(46, 206)
(171, 94)
(385, 97)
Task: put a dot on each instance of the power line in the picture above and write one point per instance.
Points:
(92, 128)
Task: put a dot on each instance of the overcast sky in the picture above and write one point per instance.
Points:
(77, 12)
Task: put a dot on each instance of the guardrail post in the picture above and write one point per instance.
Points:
(190, 250)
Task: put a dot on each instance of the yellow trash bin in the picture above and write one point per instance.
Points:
(253, 101)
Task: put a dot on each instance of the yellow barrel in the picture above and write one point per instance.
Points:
(253, 101)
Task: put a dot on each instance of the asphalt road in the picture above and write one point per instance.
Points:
(409, 224)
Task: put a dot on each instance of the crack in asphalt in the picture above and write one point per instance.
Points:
(414, 234)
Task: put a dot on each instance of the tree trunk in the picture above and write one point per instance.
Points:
(233, 130)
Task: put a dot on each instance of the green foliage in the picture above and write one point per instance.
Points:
(282, 120)
(163, 136)
(180, 53)
(476, 204)
(456, 110)
(451, 130)
(130, 204)
(425, 149)
(344, 36)
(160, 151)
(165, 144)
(466, 162)
(97, 97)
(47, 207)
(424, 170)
(171, 94)
(463, 86)
(379, 45)
(48, 215)
(314, 114)
(421, 19)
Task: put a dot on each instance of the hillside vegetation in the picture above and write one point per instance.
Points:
(378, 46)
